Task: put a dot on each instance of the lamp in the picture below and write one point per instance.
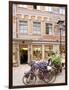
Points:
(60, 23)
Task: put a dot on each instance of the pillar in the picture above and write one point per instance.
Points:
(42, 26)
(29, 25)
(42, 51)
(29, 53)
(56, 49)
(16, 58)
(53, 32)
(18, 54)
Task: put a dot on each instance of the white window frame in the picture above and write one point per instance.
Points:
(38, 7)
(48, 8)
(23, 6)
(61, 10)
(36, 30)
(62, 32)
(50, 28)
(23, 29)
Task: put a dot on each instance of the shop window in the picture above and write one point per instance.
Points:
(37, 52)
(62, 48)
(48, 50)
(23, 27)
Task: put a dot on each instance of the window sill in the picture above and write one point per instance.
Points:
(36, 34)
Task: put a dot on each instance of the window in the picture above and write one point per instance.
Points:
(38, 7)
(36, 27)
(37, 52)
(48, 8)
(62, 10)
(62, 49)
(56, 10)
(48, 50)
(63, 32)
(57, 30)
(23, 27)
(22, 6)
(48, 28)
(34, 6)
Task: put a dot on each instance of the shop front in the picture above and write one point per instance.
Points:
(23, 53)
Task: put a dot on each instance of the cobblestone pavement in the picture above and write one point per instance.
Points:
(18, 73)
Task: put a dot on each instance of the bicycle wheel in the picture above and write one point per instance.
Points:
(31, 79)
(49, 76)
(52, 76)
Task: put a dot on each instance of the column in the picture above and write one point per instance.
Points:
(56, 49)
(29, 53)
(18, 54)
(42, 51)
(42, 26)
(14, 27)
(53, 28)
(16, 59)
(17, 28)
(14, 54)
(29, 25)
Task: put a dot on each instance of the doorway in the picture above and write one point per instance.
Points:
(24, 55)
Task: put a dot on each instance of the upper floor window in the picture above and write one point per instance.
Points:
(62, 10)
(55, 10)
(23, 6)
(48, 28)
(38, 7)
(34, 6)
(59, 31)
(36, 27)
(23, 26)
(63, 32)
(48, 8)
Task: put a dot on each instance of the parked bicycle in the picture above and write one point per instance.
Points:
(44, 73)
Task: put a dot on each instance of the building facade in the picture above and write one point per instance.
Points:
(36, 32)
